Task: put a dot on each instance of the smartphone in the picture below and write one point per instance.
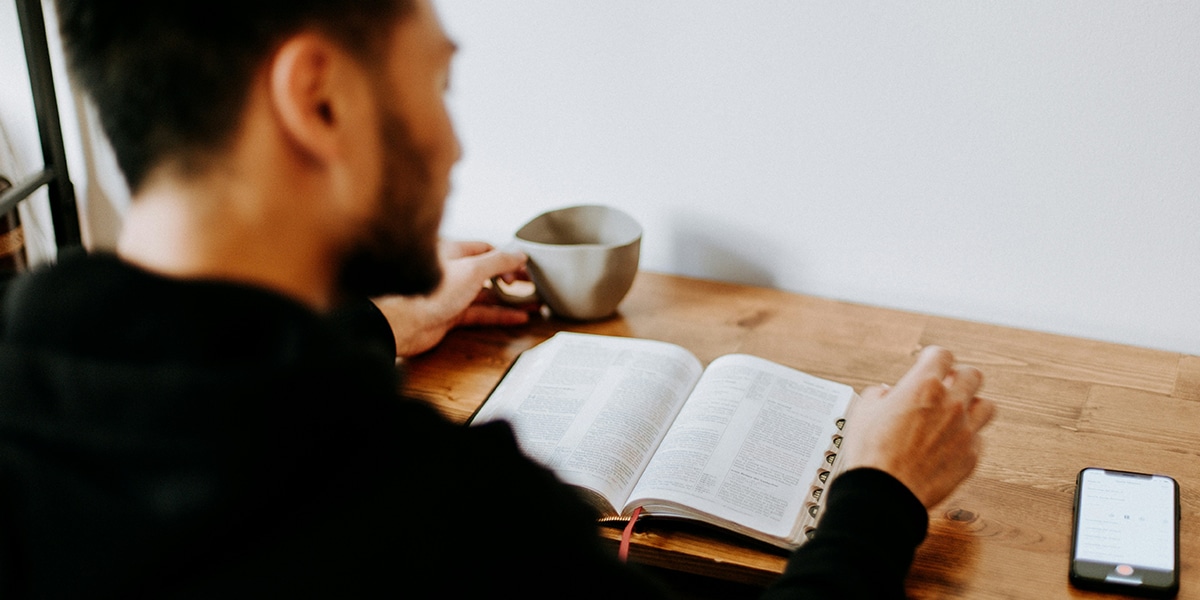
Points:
(1126, 533)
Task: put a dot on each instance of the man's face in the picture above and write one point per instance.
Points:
(397, 252)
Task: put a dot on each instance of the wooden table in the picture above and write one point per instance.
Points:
(1064, 404)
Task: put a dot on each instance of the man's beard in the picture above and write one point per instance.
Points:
(397, 254)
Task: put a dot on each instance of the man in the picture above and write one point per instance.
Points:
(211, 410)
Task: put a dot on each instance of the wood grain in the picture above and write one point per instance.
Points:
(1064, 404)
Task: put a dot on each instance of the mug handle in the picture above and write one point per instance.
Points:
(513, 299)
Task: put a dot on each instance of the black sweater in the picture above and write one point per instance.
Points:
(163, 438)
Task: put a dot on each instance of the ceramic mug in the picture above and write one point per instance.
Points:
(582, 260)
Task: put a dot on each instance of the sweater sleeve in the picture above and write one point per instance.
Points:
(361, 319)
(864, 544)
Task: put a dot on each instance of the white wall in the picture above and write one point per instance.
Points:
(1035, 164)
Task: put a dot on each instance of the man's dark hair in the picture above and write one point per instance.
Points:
(170, 77)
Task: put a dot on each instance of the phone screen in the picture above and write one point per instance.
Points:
(1126, 529)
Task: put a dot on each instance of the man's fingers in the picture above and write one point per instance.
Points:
(495, 263)
(962, 383)
(458, 249)
(979, 412)
(933, 363)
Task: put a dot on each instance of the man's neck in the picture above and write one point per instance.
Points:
(213, 230)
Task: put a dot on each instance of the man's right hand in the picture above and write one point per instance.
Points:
(420, 322)
(925, 430)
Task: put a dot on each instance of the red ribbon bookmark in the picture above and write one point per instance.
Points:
(623, 551)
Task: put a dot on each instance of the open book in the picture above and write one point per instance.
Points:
(745, 444)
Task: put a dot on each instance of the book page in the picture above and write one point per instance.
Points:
(594, 408)
(747, 446)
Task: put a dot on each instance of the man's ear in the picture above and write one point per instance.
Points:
(311, 93)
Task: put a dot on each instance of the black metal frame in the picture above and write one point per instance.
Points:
(54, 175)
